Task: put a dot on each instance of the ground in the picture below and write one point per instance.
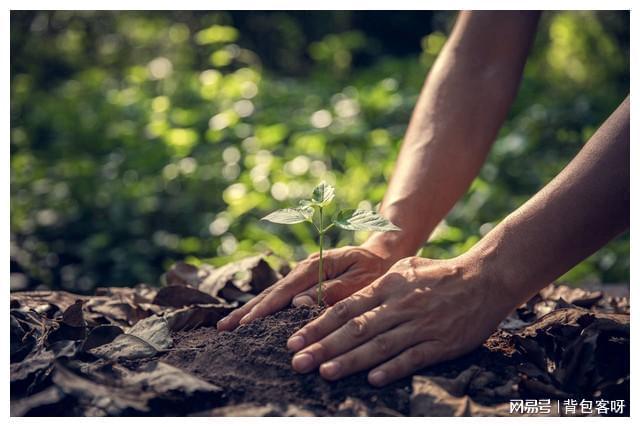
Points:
(155, 351)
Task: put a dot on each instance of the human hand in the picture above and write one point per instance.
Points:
(346, 270)
(419, 313)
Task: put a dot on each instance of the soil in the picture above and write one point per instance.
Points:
(143, 351)
(255, 366)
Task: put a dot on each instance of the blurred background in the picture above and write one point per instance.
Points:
(142, 138)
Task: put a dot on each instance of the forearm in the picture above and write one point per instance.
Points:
(462, 105)
(585, 206)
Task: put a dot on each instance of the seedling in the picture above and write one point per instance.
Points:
(348, 219)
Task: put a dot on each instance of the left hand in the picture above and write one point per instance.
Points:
(346, 270)
(419, 313)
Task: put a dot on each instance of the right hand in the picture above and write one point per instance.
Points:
(346, 270)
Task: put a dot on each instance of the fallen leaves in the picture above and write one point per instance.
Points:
(563, 343)
(188, 318)
(125, 347)
(98, 355)
(181, 296)
(431, 399)
(578, 351)
(116, 391)
(120, 326)
(100, 335)
(258, 410)
(569, 353)
(153, 330)
(237, 280)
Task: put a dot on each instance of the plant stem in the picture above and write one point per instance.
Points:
(320, 266)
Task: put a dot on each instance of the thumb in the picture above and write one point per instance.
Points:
(310, 296)
(300, 278)
(335, 290)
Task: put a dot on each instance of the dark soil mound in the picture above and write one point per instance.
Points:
(254, 365)
(564, 355)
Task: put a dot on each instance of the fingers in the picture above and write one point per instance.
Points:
(280, 297)
(333, 318)
(378, 349)
(304, 299)
(409, 361)
(344, 286)
(329, 288)
(274, 298)
(348, 284)
(232, 319)
(303, 277)
(368, 326)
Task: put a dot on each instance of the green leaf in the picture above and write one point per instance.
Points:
(323, 194)
(290, 216)
(360, 220)
(306, 210)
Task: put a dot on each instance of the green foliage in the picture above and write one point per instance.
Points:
(349, 219)
(359, 220)
(322, 195)
(142, 138)
(290, 216)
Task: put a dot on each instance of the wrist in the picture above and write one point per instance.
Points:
(488, 272)
(389, 246)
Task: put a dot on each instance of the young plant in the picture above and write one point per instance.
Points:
(348, 219)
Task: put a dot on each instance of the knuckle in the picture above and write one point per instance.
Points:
(239, 312)
(415, 299)
(410, 274)
(357, 327)
(273, 299)
(415, 357)
(411, 262)
(266, 292)
(331, 294)
(330, 253)
(410, 270)
(383, 282)
(328, 269)
(269, 293)
(262, 295)
(378, 283)
(401, 264)
(303, 266)
(382, 344)
(405, 303)
(353, 252)
(340, 311)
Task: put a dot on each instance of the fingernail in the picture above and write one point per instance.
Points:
(295, 343)
(302, 362)
(245, 319)
(222, 321)
(330, 369)
(377, 377)
(302, 300)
